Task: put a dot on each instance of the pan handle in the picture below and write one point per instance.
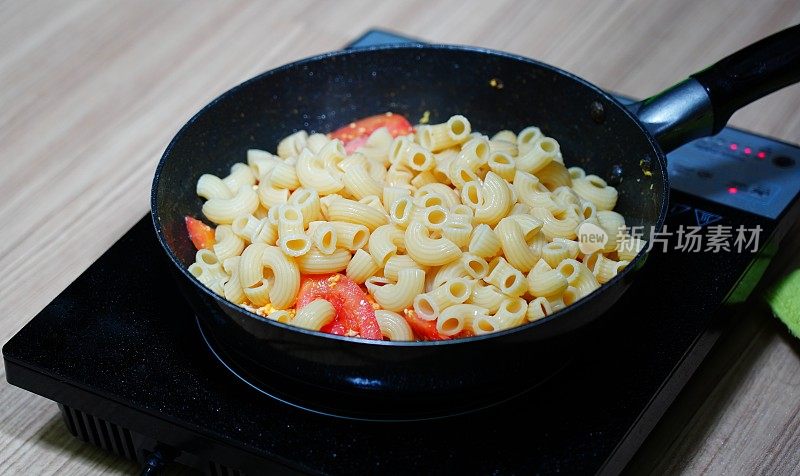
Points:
(702, 104)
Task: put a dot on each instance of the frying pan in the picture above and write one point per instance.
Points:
(387, 380)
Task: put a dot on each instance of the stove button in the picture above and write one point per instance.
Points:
(783, 161)
(760, 191)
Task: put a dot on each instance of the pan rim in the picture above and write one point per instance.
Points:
(633, 266)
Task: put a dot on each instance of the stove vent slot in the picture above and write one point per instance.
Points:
(99, 432)
(216, 469)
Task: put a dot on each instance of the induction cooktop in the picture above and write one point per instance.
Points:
(121, 354)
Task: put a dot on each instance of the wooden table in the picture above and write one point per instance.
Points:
(93, 90)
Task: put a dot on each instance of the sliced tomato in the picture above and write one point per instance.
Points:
(201, 234)
(355, 134)
(423, 330)
(354, 312)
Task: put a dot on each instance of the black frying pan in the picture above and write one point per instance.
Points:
(404, 380)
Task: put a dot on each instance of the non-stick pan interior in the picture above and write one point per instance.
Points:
(495, 91)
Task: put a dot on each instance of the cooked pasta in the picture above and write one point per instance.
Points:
(595, 190)
(246, 227)
(496, 201)
(232, 289)
(292, 238)
(511, 312)
(316, 142)
(309, 203)
(383, 243)
(484, 242)
(476, 266)
(282, 315)
(400, 295)
(355, 212)
(269, 195)
(313, 174)
(260, 162)
(394, 326)
(606, 268)
(284, 176)
(458, 233)
(317, 262)
(359, 183)
(538, 308)
(487, 296)
(397, 262)
(291, 145)
(527, 138)
(362, 266)
(222, 211)
(241, 176)
(210, 186)
(393, 194)
(323, 235)
(507, 278)
(430, 304)
(542, 152)
(228, 244)
(284, 289)
(427, 250)
(448, 197)
(438, 276)
(402, 211)
(502, 164)
(516, 243)
(436, 233)
(438, 137)
(456, 318)
(544, 281)
(315, 315)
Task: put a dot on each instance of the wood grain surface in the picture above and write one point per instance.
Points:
(93, 90)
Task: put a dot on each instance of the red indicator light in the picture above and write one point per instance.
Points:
(748, 150)
(734, 146)
(762, 155)
(732, 190)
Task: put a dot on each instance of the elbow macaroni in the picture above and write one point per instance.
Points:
(394, 326)
(400, 295)
(222, 211)
(445, 225)
(313, 316)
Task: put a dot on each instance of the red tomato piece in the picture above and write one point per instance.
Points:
(354, 312)
(355, 134)
(201, 234)
(423, 330)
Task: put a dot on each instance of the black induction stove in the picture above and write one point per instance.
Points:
(120, 352)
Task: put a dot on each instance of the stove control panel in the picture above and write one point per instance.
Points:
(738, 169)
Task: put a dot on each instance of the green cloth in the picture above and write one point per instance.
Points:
(784, 299)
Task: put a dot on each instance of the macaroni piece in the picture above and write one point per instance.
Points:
(449, 233)
(394, 326)
(222, 211)
(362, 266)
(318, 313)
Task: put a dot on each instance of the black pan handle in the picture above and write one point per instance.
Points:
(702, 104)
